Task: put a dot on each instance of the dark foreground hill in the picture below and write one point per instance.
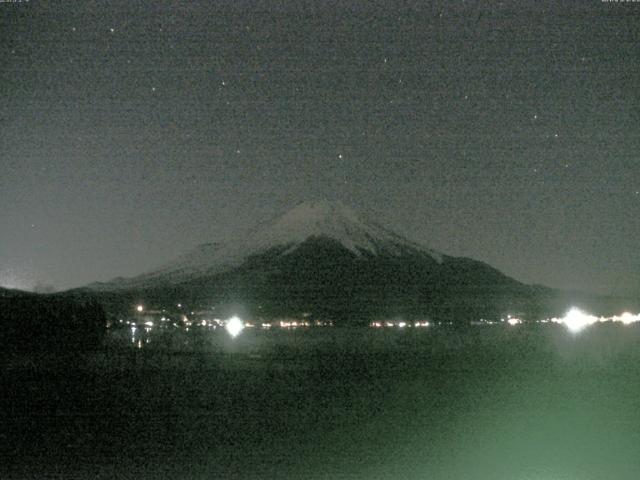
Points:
(32, 322)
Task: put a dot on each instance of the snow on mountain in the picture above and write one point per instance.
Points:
(326, 219)
(331, 220)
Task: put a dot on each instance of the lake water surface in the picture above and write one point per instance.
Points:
(523, 402)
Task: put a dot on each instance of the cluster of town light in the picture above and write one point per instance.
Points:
(399, 324)
(576, 320)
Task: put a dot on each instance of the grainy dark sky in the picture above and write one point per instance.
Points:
(504, 131)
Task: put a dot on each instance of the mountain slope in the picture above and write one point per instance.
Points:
(331, 220)
(323, 259)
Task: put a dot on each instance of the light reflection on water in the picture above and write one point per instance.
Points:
(591, 343)
(491, 403)
(497, 403)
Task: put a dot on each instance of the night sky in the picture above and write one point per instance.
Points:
(505, 131)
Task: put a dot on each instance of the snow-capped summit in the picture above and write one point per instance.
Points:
(333, 220)
(308, 220)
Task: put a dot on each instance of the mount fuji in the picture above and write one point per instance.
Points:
(308, 221)
(325, 260)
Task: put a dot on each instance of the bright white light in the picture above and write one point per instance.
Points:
(402, 324)
(575, 320)
(139, 308)
(627, 318)
(149, 324)
(513, 321)
(234, 326)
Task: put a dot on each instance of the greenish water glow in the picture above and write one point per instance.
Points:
(530, 403)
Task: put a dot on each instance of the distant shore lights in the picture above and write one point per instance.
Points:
(513, 321)
(234, 326)
(576, 320)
